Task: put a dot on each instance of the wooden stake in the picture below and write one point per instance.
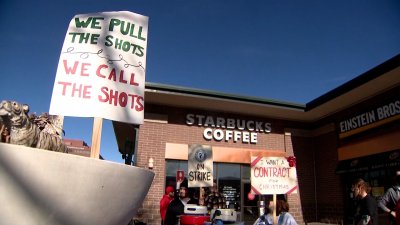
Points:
(96, 138)
(274, 208)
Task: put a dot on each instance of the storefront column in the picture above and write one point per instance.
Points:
(293, 199)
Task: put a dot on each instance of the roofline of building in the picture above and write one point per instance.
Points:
(341, 90)
(221, 95)
(356, 82)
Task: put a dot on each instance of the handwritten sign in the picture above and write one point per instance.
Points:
(200, 166)
(101, 70)
(273, 175)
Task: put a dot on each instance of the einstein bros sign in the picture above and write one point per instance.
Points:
(273, 175)
(101, 70)
(200, 166)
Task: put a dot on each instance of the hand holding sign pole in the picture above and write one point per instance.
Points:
(180, 177)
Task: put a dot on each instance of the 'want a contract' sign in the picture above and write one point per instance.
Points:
(101, 70)
(273, 175)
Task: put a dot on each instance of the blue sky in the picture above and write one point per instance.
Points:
(291, 51)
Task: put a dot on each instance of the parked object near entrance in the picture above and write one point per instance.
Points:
(51, 188)
(24, 131)
(226, 215)
(193, 219)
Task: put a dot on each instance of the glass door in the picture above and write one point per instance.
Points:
(249, 209)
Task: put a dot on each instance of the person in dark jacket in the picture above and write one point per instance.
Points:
(367, 208)
(389, 200)
(193, 196)
(176, 208)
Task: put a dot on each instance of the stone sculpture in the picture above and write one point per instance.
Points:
(24, 130)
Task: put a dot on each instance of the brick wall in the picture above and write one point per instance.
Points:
(329, 194)
(293, 199)
(304, 152)
(154, 135)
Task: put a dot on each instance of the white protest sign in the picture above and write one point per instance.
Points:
(101, 70)
(273, 175)
(200, 166)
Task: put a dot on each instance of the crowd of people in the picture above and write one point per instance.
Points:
(366, 211)
(366, 206)
(282, 212)
(389, 201)
(173, 202)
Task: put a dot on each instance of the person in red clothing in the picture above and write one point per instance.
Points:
(166, 199)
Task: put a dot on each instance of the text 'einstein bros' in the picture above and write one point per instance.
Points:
(101, 70)
(200, 166)
(273, 175)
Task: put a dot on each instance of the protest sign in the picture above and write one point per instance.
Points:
(101, 70)
(180, 176)
(200, 166)
(273, 175)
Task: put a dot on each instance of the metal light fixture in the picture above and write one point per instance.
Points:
(151, 163)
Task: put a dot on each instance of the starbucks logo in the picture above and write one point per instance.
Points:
(200, 155)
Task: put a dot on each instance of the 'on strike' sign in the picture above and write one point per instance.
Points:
(101, 70)
(273, 175)
(200, 166)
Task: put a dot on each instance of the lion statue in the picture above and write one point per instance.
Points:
(25, 132)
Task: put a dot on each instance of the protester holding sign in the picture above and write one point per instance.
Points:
(184, 195)
(176, 207)
(284, 217)
(273, 175)
(267, 217)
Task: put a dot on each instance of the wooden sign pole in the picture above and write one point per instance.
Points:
(274, 209)
(96, 138)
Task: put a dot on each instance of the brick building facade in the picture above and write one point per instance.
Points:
(77, 147)
(314, 133)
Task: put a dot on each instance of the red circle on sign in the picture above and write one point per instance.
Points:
(250, 196)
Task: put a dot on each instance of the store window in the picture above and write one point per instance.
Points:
(233, 181)
(226, 175)
(171, 167)
(246, 172)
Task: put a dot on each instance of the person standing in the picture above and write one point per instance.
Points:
(176, 207)
(193, 196)
(184, 194)
(389, 200)
(165, 201)
(367, 208)
(284, 217)
(266, 218)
